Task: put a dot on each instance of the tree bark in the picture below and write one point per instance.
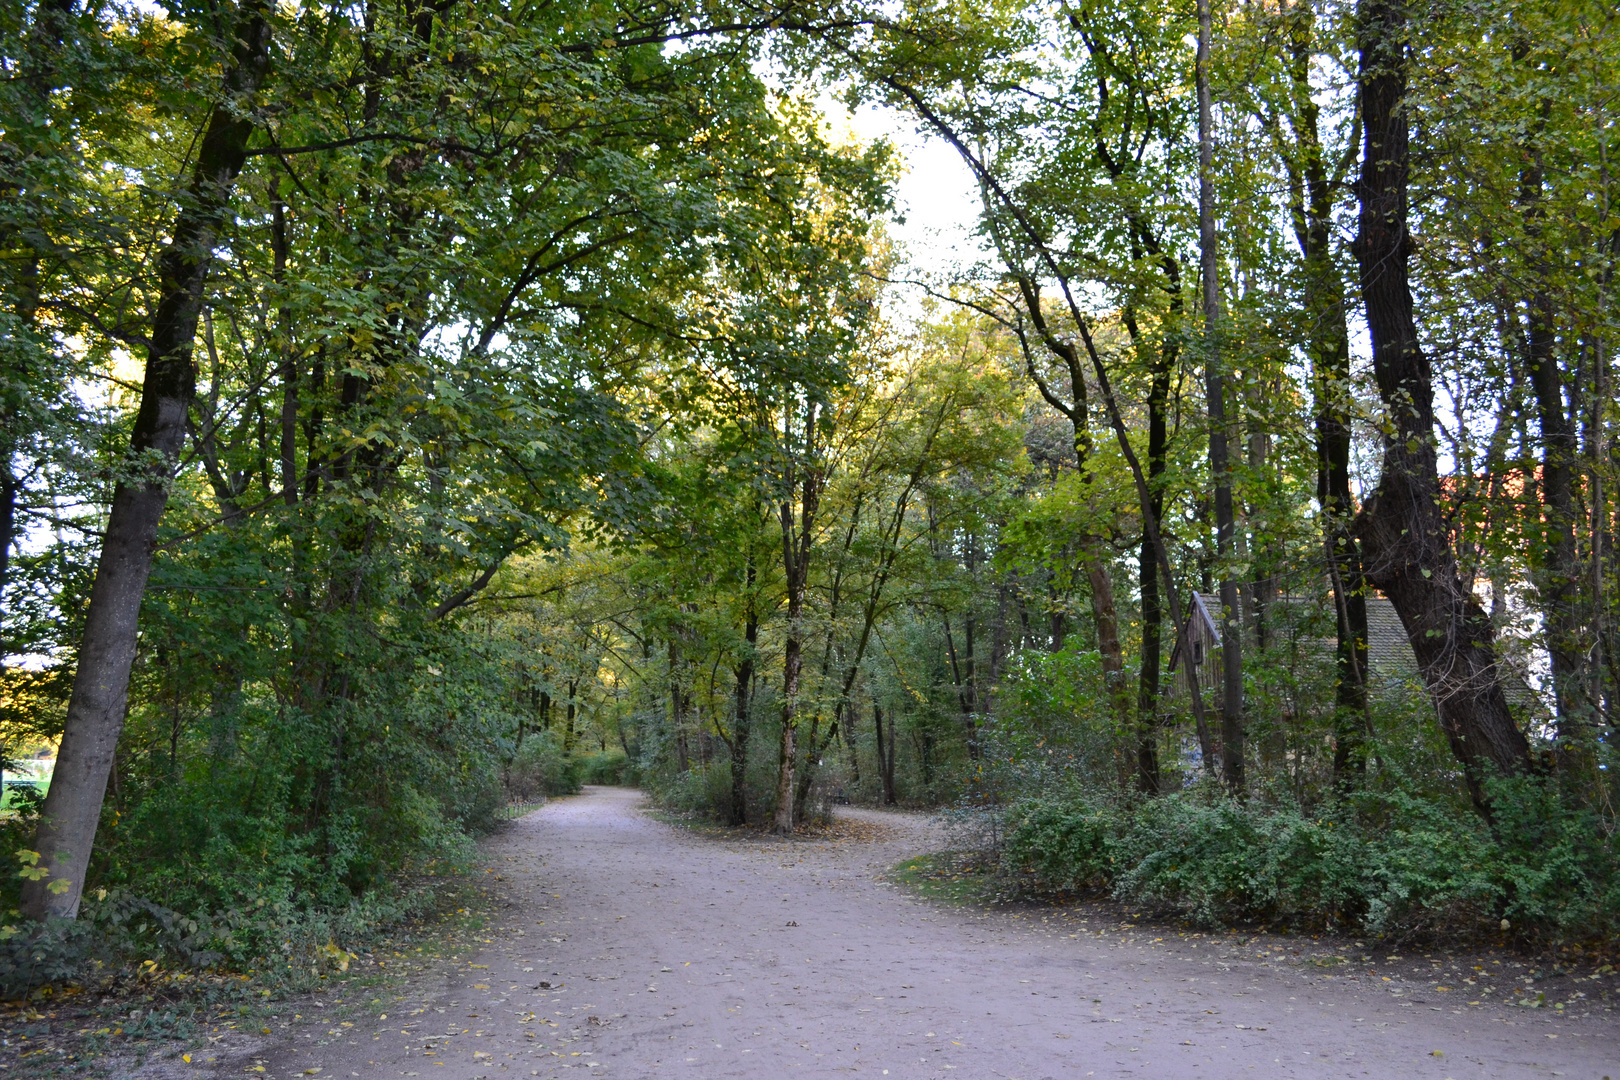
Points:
(1147, 692)
(1405, 546)
(1311, 204)
(1558, 571)
(796, 546)
(740, 727)
(885, 749)
(1219, 455)
(95, 717)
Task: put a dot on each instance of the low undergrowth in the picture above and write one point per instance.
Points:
(1390, 865)
(103, 1026)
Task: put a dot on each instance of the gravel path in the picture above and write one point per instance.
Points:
(633, 949)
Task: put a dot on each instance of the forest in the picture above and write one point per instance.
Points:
(417, 408)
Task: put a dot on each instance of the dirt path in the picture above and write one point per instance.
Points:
(633, 949)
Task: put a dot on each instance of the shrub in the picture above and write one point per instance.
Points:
(607, 767)
(1061, 847)
(1216, 860)
(703, 790)
(540, 768)
(1387, 863)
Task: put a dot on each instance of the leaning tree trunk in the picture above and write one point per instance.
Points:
(95, 716)
(1406, 549)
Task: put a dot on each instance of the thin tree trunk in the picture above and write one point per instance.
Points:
(1312, 206)
(796, 546)
(741, 726)
(1405, 545)
(95, 717)
(1219, 463)
(568, 729)
(1557, 564)
(886, 752)
(1148, 778)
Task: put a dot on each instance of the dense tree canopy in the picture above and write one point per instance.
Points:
(413, 408)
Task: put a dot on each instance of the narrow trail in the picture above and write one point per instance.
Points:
(633, 949)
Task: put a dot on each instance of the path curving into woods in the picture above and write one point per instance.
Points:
(634, 949)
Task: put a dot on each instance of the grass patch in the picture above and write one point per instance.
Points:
(951, 877)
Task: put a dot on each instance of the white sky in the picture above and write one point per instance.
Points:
(935, 195)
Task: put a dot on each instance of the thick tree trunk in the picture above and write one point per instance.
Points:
(1219, 455)
(95, 716)
(1406, 549)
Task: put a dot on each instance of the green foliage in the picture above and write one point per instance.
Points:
(1390, 864)
(608, 767)
(1060, 847)
(541, 768)
(703, 791)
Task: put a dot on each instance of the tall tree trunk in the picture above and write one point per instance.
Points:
(568, 728)
(885, 749)
(1405, 545)
(797, 540)
(1147, 693)
(1219, 458)
(1558, 571)
(741, 725)
(95, 716)
(1311, 205)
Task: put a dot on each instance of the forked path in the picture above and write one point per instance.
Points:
(633, 949)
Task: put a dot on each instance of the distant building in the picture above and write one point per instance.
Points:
(1392, 666)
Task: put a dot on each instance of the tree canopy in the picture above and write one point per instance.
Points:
(414, 408)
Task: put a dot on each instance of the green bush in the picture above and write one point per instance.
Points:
(703, 790)
(1382, 863)
(607, 767)
(1215, 860)
(540, 768)
(1061, 847)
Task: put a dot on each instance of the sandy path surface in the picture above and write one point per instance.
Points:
(634, 949)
